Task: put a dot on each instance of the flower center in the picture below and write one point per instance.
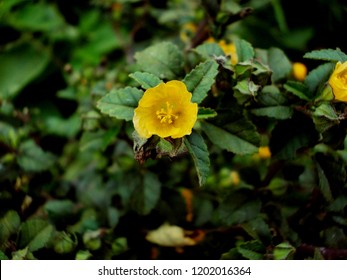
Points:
(166, 115)
(343, 77)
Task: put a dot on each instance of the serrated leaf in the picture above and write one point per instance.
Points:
(120, 103)
(225, 140)
(205, 113)
(327, 111)
(200, 80)
(9, 224)
(199, 152)
(327, 54)
(32, 158)
(35, 234)
(298, 89)
(279, 64)
(147, 194)
(163, 60)
(318, 76)
(244, 50)
(209, 50)
(146, 80)
(276, 112)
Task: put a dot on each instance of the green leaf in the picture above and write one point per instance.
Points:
(327, 54)
(3, 256)
(99, 38)
(318, 76)
(59, 209)
(32, 158)
(9, 225)
(238, 208)
(163, 60)
(200, 79)
(276, 112)
(19, 66)
(327, 111)
(35, 234)
(147, 194)
(98, 140)
(252, 250)
(119, 246)
(5, 7)
(271, 96)
(120, 103)
(23, 254)
(209, 50)
(83, 255)
(258, 229)
(298, 89)
(41, 17)
(279, 64)
(146, 80)
(247, 87)
(65, 243)
(205, 113)
(199, 152)
(225, 140)
(338, 204)
(283, 251)
(244, 50)
(323, 183)
(57, 125)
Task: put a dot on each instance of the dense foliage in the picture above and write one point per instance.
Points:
(262, 175)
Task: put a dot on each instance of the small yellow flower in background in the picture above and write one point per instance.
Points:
(299, 71)
(264, 152)
(228, 49)
(235, 178)
(166, 110)
(338, 81)
(187, 32)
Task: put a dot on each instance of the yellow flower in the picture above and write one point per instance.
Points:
(338, 81)
(230, 50)
(299, 71)
(187, 32)
(264, 152)
(166, 110)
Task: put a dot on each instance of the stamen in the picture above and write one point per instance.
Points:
(166, 115)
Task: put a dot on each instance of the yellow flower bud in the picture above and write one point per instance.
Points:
(338, 81)
(166, 110)
(299, 71)
(264, 152)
